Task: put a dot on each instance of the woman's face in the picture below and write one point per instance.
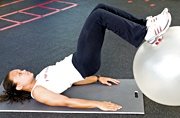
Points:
(21, 77)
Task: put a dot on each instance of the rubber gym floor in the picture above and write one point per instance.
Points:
(34, 34)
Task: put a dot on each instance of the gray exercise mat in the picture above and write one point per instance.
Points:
(126, 93)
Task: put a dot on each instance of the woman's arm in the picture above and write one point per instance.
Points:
(47, 97)
(103, 80)
(87, 80)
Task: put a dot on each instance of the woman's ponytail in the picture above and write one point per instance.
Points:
(11, 94)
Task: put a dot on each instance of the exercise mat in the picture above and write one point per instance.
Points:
(126, 94)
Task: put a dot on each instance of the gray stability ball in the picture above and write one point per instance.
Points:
(156, 69)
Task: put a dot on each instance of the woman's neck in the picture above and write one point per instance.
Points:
(30, 86)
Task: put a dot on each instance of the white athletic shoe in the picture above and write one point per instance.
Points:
(157, 26)
(151, 19)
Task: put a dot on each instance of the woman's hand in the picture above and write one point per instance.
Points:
(108, 106)
(108, 81)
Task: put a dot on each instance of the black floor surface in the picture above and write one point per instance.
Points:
(37, 44)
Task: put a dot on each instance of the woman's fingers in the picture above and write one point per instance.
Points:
(108, 106)
(108, 81)
(114, 81)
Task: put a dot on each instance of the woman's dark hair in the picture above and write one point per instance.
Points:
(11, 94)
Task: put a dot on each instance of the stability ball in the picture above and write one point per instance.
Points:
(156, 69)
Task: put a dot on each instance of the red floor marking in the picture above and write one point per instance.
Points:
(36, 16)
(12, 21)
(145, 1)
(152, 5)
(8, 14)
(41, 6)
(16, 23)
(10, 3)
(72, 4)
(130, 1)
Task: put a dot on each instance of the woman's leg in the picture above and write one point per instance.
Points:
(163, 21)
(121, 13)
(88, 55)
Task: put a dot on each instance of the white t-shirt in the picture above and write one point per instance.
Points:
(59, 77)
